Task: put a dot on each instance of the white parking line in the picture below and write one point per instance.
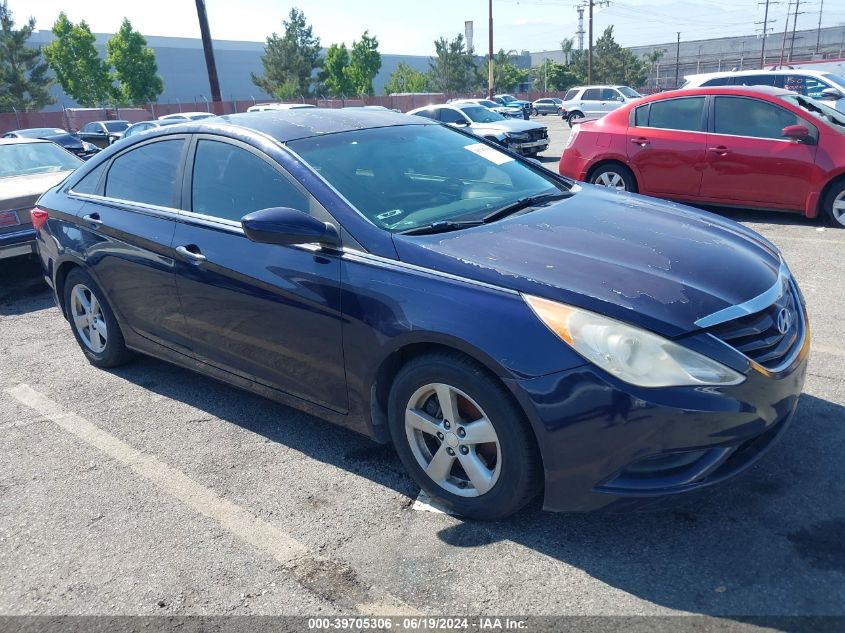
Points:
(240, 522)
(424, 503)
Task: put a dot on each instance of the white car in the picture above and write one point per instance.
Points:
(595, 101)
(262, 107)
(187, 116)
(815, 84)
(511, 112)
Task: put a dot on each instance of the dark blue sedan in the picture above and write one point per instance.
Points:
(510, 331)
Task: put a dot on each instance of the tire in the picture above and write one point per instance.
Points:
(507, 470)
(614, 176)
(834, 204)
(99, 337)
(544, 113)
(573, 117)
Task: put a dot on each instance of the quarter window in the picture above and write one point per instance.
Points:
(750, 117)
(89, 182)
(229, 182)
(428, 114)
(673, 114)
(147, 174)
(569, 96)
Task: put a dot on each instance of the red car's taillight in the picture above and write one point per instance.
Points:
(38, 217)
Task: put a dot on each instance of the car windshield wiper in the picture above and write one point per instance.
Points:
(442, 226)
(524, 203)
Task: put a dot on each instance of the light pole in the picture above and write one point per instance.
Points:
(490, 51)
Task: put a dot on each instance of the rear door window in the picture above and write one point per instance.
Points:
(608, 94)
(756, 80)
(592, 94)
(718, 81)
(147, 174)
(673, 114)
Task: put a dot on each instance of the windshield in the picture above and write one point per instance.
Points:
(818, 110)
(403, 177)
(488, 104)
(629, 92)
(116, 126)
(839, 81)
(480, 114)
(22, 159)
(38, 132)
(507, 98)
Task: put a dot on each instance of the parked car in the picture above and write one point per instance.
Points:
(103, 133)
(28, 167)
(525, 137)
(63, 138)
(595, 101)
(510, 112)
(820, 85)
(508, 331)
(547, 105)
(755, 147)
(510, 100)
(143, 126)
(187, 116)
(261, 107)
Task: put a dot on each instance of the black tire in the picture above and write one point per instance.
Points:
(520, 474)
(572, 117)
(114, 352)
(834, 217)
(623, 172)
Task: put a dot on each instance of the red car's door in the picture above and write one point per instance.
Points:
(748, 160)
(666, 146)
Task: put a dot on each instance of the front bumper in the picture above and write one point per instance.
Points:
(18, 243)
(528, 147)
(609, 445)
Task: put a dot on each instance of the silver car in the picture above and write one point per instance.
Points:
(595, 101)
(547, 105)
(509, 112)
(525, 137)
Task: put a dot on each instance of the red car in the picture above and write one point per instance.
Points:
(756, 147)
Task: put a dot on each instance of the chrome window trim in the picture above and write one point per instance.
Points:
(24, 232)
(755, 304)
(139, 207)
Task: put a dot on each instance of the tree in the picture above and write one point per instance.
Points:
(364, 64)
(406, 79)
(135, 66)
(23, 73)
(653, 58)
(78, 67)
(452, 69)
(566, 46)
(506, 75)
(335, 75)
(554, 76)
(290, 60)
(616, 65)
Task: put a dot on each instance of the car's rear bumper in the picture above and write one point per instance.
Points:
(17, 243)
(573, 164)
(608, 445)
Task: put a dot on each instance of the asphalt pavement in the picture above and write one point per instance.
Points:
(150, 490)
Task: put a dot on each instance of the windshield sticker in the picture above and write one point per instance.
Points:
(490, 153)
(389, 214)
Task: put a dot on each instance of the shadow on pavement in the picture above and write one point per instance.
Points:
(22, 288)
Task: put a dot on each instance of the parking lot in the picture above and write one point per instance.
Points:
(150, 490)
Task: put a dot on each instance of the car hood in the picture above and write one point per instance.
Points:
(68, 141)
(654, 263)
(18, 192)
(509, 125)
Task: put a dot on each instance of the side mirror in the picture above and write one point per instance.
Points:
(620, 98)
(830, 94)
(796, 133)
(460, 123)
(283, 225)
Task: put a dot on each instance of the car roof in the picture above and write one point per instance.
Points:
(20, 141)
(747, 91)
(748, 73)
(108, 121)
(297, 123)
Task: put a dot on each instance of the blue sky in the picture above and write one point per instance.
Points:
(410, 27)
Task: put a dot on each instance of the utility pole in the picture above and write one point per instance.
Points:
(765, 24)
(208, 49)
(490, 53)
(785, 28)
(819, 30)
(677, 60)
(794, 22)
(698, 63)
(590, 49)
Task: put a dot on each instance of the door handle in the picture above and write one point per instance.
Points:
(641, 141)
(93, 219)
(721, 150)
(193, 256)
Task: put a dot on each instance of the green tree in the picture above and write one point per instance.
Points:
(617, 65)
(135, 66)
(406, 79)
(335, 75)
(452, 69)
(78, 67)
(566, 46)
(289, 60)
(23, 73)
(555, 76)
(653, 59)
(364, 63)
(506, 75)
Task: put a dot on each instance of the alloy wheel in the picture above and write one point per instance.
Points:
(88, 318)
(453, 440)
(611, 179)
(837, 210)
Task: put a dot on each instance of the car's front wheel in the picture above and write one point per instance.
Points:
(462, 438)
(92, 320)
(834, 204)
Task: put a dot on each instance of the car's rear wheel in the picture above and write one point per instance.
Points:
(461, 437)
(92, 321)
(834, 204)
(573, 117)
(614, 176)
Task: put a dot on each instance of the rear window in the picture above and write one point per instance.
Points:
(24, 159)
(672, 114)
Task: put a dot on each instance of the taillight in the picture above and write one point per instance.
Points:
(38, 217)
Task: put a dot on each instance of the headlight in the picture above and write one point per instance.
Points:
(631, 354)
